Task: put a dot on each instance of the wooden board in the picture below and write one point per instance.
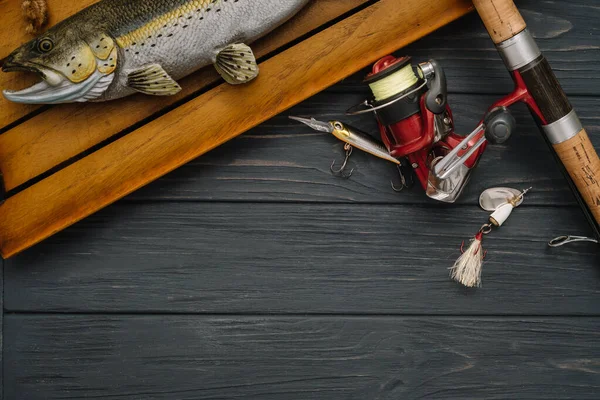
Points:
(159, 147)
(303, 258)
(191, 357)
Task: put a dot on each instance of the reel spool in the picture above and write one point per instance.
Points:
(391, 77)
(397, 93)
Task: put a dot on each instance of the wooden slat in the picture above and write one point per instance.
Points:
(176, 138)
(70, 129)
(302, 258)
(284, 161)
(190, 357)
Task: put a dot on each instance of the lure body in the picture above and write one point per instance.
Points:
(115, 48)
(361, 141)
(351, 136)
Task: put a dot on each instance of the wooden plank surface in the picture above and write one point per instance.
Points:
(191, 357)
(285, 161)
(62, 132)
(303, 258)
(24, 150)
(159, 147)
(288, 283)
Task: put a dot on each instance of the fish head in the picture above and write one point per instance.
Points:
(73, 66)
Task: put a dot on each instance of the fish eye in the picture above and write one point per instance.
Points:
(45, 45)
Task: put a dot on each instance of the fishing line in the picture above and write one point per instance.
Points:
(394, 84)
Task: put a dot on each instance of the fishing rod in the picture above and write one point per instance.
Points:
(416, 124)
(560, 125)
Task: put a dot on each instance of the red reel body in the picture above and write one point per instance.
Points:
(417, 124)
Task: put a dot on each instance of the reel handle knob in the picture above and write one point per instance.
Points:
(499, 125)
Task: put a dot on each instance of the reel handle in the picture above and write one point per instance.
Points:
(560, 124)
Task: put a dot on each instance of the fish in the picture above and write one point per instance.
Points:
(115, 48)
(351, 136)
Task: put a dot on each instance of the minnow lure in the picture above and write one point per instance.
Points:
(115, 48)
(350, 136)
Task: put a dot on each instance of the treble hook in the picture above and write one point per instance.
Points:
(340, 172)
(404, 183)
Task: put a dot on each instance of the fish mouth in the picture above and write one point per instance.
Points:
(9, 66)
(54, 88)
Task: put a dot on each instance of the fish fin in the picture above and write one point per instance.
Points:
(153, 80)
(236, 64)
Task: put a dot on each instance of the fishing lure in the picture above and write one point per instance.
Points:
(115, 48)
(351, 136)
(468, 268)
(355, 138)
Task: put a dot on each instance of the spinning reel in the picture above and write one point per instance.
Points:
(416, 124)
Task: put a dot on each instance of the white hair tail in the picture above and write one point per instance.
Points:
(467, 269)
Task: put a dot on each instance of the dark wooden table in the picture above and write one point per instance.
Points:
(253, 273)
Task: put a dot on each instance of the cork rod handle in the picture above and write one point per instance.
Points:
(501, 18)
(583, 165)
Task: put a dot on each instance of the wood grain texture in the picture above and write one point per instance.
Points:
(63, 132)
(302, 258)
(565, 31)
(115, 357)
(582, 162)
(159, 147)
(283, 161)
(50, 138)
(285, 284)
(501, 18)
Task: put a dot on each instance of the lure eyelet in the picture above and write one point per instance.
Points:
(45, 45)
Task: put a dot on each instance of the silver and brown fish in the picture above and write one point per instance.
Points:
(115, 48)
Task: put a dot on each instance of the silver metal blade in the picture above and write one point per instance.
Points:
(316, 125)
